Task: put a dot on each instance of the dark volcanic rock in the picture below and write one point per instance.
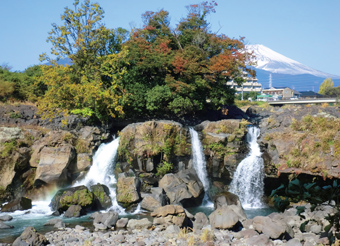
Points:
(22, 203)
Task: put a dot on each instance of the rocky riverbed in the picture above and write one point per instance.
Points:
(170, 226)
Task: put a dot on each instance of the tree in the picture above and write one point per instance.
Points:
(91, 85)
(183, 70)
(327, 83)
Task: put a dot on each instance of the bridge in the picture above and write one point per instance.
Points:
(302, 101)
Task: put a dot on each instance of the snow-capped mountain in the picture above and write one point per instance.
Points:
(285, 71)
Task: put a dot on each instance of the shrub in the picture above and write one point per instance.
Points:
(164, 168)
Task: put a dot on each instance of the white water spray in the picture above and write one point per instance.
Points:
(101, 171)
(200, 164)
(248, 178)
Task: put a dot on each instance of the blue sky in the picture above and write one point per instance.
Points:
(307, 31)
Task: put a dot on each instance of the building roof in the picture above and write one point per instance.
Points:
(310, 94)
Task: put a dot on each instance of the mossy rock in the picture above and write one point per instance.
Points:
(102, 198)
(79, 195)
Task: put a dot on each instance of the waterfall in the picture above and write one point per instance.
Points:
(199, 163)
(101, 171)
(248, 178)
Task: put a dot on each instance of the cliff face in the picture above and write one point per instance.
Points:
(301, 140)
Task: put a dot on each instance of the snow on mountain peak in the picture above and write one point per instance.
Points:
(274, 62)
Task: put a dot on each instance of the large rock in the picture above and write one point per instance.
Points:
(201, 220)
(225, 218)
(53, 165)
(128, 189)
(156, 199)
(10, 133)
(5, 226)
(105, 221)
(272, 228)
(74, 211)
(170, 214)
(183, 188)
(225, 199)
(102, 198)
(30, 237)
(139, 224)
(6, 217)
(79, 195)
(22, 203)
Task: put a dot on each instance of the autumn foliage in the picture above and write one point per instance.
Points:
(156, 70)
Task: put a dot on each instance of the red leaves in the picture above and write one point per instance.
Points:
(179, 64)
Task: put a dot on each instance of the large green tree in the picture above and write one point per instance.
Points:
(182, 70)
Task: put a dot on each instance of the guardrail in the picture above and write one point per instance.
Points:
(303, 101)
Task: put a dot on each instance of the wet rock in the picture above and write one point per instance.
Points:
(22, 203)
(6, 217)
(5, 226)
(79, 195)
(74, 211)
(102, 198)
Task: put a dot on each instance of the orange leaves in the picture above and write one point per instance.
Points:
(179, 64)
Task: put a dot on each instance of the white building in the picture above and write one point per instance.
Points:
(249, 85)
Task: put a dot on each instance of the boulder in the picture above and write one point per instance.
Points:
(5, 226)
(274, 229)
(170, 215)
(6, 217)
(74, 211)
(22, 203)
(79, 195)
(139, 224)
(225, 218)
(53, 165)
(52, 222)
(149, 203)
(228, 199)
(201, 220)
(10, 133)
(30, 237)
(121, 223)
(128, 189)
(103, 221)
(183, 188)
(102, 198)
(262, 240)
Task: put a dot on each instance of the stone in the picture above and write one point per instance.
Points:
(173, 229)
(5, 226)
(53, 165)
(102, 198)
(139, 224)
(128, 190)
(121, 223)
(224, 218)
(6, 217)
(150, 203)
(79, 195)
(170, 214)
(262, 240)
(272, 228)
(294, 242)
(52, 222)
(74, 211)
(246, 233)
(104, 221)
(200, 221)
(183, 188)
(30, 237)
(22, 203)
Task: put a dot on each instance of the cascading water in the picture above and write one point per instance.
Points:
(200, 164)
(101, 171)
(248, 178)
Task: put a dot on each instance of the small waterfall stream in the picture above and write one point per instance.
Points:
(101, 171)
(248, 178)
(200, 164)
